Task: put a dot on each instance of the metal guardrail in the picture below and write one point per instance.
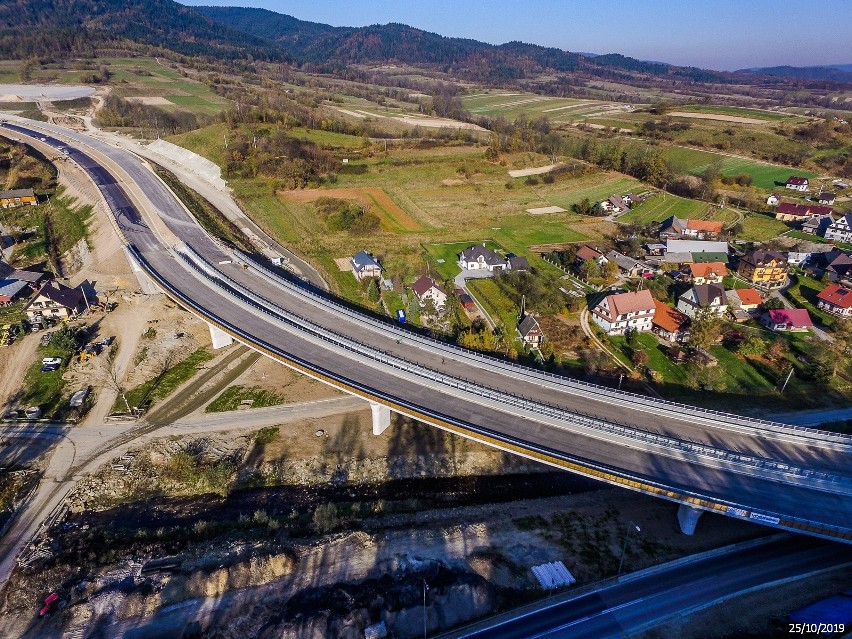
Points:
(207, 270)
(680, 495)
(660, 404)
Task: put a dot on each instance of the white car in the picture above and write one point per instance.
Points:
(49, 361)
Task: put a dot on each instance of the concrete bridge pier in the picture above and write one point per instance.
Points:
(381, 417)
(687, 517)
(219, 337)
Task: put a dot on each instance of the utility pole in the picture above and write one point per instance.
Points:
(425, 588)
(787, 380)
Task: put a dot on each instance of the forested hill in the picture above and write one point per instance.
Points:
(839, 73)
(324, 44)
(47, 28)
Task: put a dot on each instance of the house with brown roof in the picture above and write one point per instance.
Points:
(669, 323)
(427, 290)
(835, 299)
(817, 225)
(835, 262)
(707, 273)
(826, 197)
(796, 183)
(55, 301)
(530, 331)
(703, 296)
(619, 312)
(18, 197)
(586, 253)
(676, 229)
(766, 269)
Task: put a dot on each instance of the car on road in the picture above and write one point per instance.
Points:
(79, 397)
(107, 341)
(50, 368)
(50, 361)
(45, 339)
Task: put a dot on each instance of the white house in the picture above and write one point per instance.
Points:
(364, 265)
(530, 331)
(478, 258)
(840, 230)
(772, 200)
(620, 312)
(426, 289)
(796, 183)
(710, 296)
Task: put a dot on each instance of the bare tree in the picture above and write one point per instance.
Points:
(114, 377)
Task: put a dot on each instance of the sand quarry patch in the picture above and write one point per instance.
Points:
(392, 217)
(717, 116)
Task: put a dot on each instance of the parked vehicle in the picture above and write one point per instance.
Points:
(49, 361)
(50, 368)
(32, 412)
(45, 339)
(48, 602)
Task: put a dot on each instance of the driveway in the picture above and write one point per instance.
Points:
(461, 282)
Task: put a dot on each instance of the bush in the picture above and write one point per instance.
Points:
(342, 215)
(325, 518)
(266, 435)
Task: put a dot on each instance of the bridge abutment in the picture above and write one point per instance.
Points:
(219, 337)
(145, 283)
(687, 517)
(381, 417)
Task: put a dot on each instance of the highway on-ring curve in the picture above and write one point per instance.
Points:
(783, 476)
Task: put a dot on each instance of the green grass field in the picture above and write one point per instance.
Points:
(233, 396)
(165, 384)
(765, 176)
(660, 207)
(803, 293)
(759, 228)
(496, 304)
(596, 187)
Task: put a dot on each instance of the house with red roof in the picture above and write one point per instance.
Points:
(707, 273)
(835, 299)
(797, 183)
(787, 319)
(668, 323)
(618, 313)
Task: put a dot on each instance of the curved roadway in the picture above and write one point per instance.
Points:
(775, 474)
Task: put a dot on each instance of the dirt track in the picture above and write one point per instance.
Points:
(717, 116)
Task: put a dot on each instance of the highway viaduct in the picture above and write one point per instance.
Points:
(775, 474)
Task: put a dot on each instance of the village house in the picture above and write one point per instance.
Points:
(787, 319)
(747, 299)
(619, 312)
(825, 197)
(675, 229)
(530, 331)
(766, 269)
(18, 197)
(364, 266)
(427, 290)
(703, 296)
(796, 183)
(465, 300)
(517, 263)
(835, 299)
(773, 200)
(707, 273)
(586, 253)
(787, 212)
(480, 258)
(840, 230)
(668, 323)
(55, 301)
(627, 265)
(10, 290)
(836, 263)
(817, 225)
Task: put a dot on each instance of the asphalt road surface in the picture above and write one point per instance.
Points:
(748, 467)
(651, 598)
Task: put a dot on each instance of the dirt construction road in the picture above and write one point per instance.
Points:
(14, 362)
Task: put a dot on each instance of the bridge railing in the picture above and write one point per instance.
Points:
(660, 404)
(681, 495)
(200, 265)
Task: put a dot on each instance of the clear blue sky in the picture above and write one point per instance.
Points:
(714, 34)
